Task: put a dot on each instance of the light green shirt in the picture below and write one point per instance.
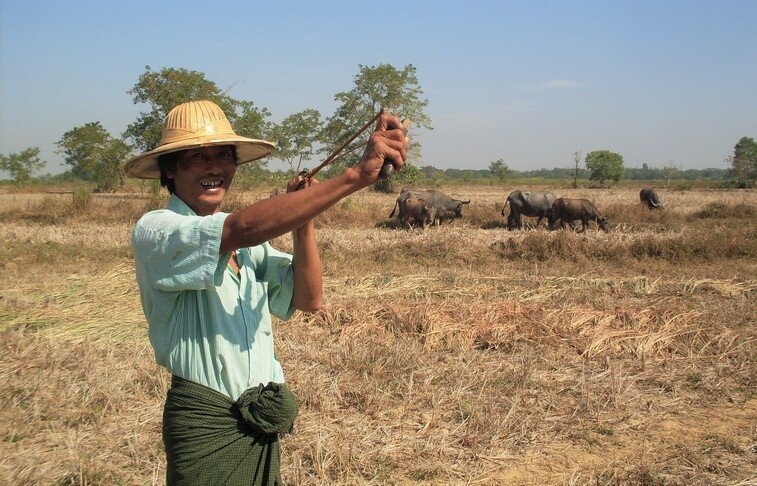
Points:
(206, 324)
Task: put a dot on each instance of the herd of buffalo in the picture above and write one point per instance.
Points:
(425, 207)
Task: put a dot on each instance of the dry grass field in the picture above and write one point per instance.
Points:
(465, 354)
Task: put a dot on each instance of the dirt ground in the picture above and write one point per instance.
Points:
(463, 354)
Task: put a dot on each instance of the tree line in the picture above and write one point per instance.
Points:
(563, 173)
(95, 155)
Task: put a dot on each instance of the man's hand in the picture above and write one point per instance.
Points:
(387, 143)
(301, 182)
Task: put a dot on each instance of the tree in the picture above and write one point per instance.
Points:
(669, 171)
(432, 173)
(500, 170)
(250, 121)
(163, 90)
(253, 175)
(604, 165)
(377, 86)
(296, 137)
(21, 165)
(744, 162)
(334, 169)
(94, 155)
(410, 175)
(576, 160)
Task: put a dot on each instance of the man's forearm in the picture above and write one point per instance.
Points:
(272, 217)
(308, 271)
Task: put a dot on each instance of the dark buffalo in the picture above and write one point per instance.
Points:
(416, 210)
(445, 206)
(405, 194)
(567, 210)
(649, 198)
(527, 203)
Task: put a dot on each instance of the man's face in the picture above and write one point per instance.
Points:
(203, 176)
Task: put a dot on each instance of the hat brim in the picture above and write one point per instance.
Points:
(145, 166)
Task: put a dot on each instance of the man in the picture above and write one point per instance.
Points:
(209, 282)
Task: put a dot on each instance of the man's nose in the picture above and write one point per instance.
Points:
(213, 161)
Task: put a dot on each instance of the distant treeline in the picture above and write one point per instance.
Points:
(430, 173)
(650, 174)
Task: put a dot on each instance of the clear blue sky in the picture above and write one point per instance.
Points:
(530, 82)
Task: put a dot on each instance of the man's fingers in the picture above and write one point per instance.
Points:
(388, 122)
(395, 157)
(298, 182)
(399, 147)
(387, 144)
(301, 182)
(395, 134)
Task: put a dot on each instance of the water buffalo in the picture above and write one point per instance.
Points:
(399, 203)
(567, 210)
(414, 209)
(649, 198)
(528, 203)
(445, 206)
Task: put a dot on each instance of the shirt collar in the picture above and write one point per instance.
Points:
(176, 205)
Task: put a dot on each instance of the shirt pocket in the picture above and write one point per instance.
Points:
(261, 289)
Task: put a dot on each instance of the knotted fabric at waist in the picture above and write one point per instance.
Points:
(211, 439)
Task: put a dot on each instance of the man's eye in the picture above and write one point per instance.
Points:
(196, 157)
(226, 155)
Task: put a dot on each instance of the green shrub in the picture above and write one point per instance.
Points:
(81, 199)
(683, 186)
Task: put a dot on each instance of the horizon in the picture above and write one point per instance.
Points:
(530, 83)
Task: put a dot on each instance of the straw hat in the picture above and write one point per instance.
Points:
(196, 124)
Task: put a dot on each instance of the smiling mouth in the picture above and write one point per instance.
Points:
(211, 184)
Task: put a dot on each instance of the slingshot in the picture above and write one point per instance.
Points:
(386, 170)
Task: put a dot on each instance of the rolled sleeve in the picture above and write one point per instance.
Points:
(280, 278)
(181, 252)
